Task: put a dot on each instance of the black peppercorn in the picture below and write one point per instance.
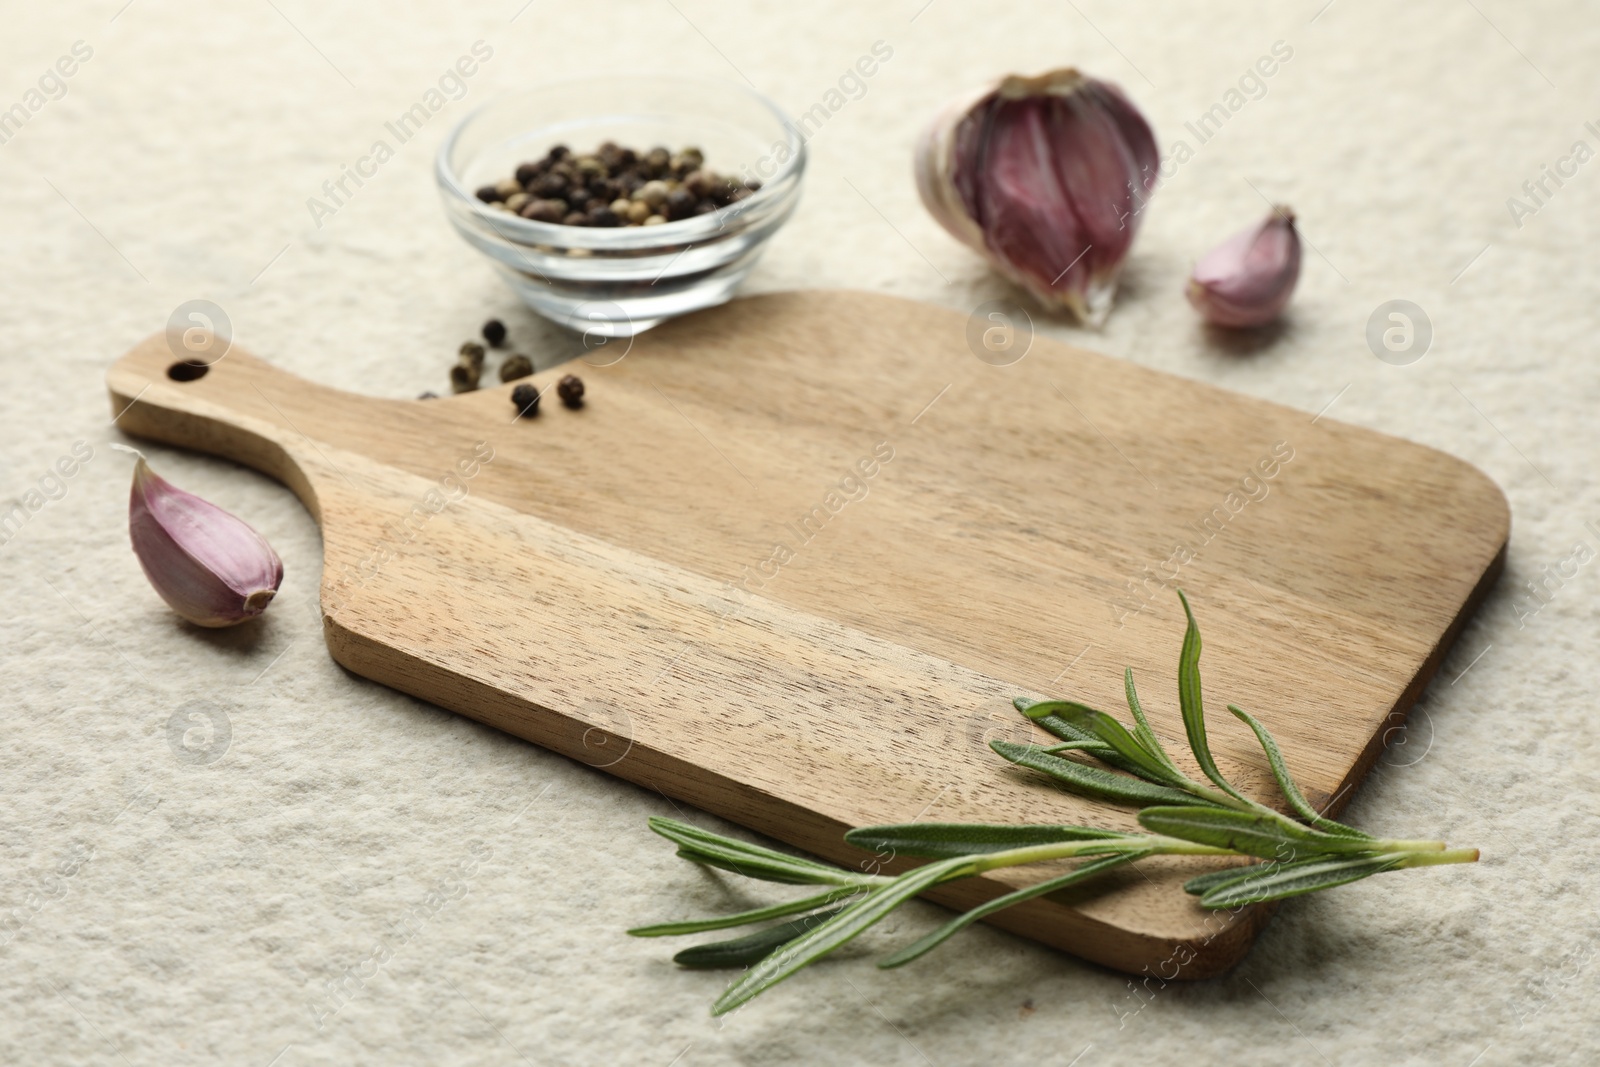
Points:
(429, 395)
(570, 390)
(576, 218)
(488, 194)
(603, 216)
(526, 399)
(550, 185)
(494, 331)
(527, 172)
(680, 204)
(559, 152)
(514, 367)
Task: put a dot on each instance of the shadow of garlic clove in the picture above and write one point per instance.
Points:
(208, 565)
(1047, 178)
(1248, 279)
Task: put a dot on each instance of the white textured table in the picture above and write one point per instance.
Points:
(171, 905)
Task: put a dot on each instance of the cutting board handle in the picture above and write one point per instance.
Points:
(235, 406)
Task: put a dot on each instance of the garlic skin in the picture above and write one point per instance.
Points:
(1047, 178)
(208, 565)
(1248, 279)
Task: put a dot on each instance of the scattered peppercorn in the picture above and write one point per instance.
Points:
(472, 355)
(463, 378)
(615, 186)
(570, 390)
(429, 395)
(526, 399)
(494, 331)
(515, 366)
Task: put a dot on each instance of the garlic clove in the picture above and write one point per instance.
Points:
(1047, 178)
(1248, 279)
(207, 564)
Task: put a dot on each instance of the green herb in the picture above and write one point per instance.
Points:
(1304, 852)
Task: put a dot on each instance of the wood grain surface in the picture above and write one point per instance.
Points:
(795, 555)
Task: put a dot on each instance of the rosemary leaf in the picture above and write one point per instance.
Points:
(1051, 715)
(753, 861)
(941, 840)
(1267, 835)
(808, 948)
(1201, 884)
(1291, 792)
(961, 922)
(752, 948)
(1147, 737)
(1277, 881)
(745, 918)
(1194, 715)
(1090, 781)
(1113, 733)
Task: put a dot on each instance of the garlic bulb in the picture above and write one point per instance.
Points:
(210, 566)
(1046, 177)
(1248, 279)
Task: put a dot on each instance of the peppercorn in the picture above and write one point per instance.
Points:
(516, 201)
(543, 210)
(576, 218)
(514, 367)
(603, 216)
(429, 395)
(471, 355)
(526, 399)
(488, 194)
(506, 186)
(638, 211)
(550, 185)
(653, 193)
(680, 204)
(463, 378)
(559, 152)
(570, 390)
(494, 331)
(527, 172)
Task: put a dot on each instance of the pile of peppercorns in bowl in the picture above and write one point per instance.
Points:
(467, 372)
(615, 186)
(612, 241)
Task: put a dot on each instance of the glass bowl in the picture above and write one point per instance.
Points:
(615, 282)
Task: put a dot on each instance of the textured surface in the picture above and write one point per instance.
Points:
(186, 912)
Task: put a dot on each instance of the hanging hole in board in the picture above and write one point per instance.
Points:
(185, 371)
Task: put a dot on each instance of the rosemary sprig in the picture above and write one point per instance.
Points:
(1303, 852)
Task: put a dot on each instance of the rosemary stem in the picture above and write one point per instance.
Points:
(1410, 846)
(1448, 855)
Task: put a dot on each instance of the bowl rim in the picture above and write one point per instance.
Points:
(520, 231)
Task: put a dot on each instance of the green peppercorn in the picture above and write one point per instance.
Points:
(570, 390)
(514, 367)
(494, 331)
(525, 397)
(463, 378)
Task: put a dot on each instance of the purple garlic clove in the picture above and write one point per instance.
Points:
(208, 565)
(1248, 279)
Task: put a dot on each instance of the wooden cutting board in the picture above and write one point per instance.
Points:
(795, 556)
